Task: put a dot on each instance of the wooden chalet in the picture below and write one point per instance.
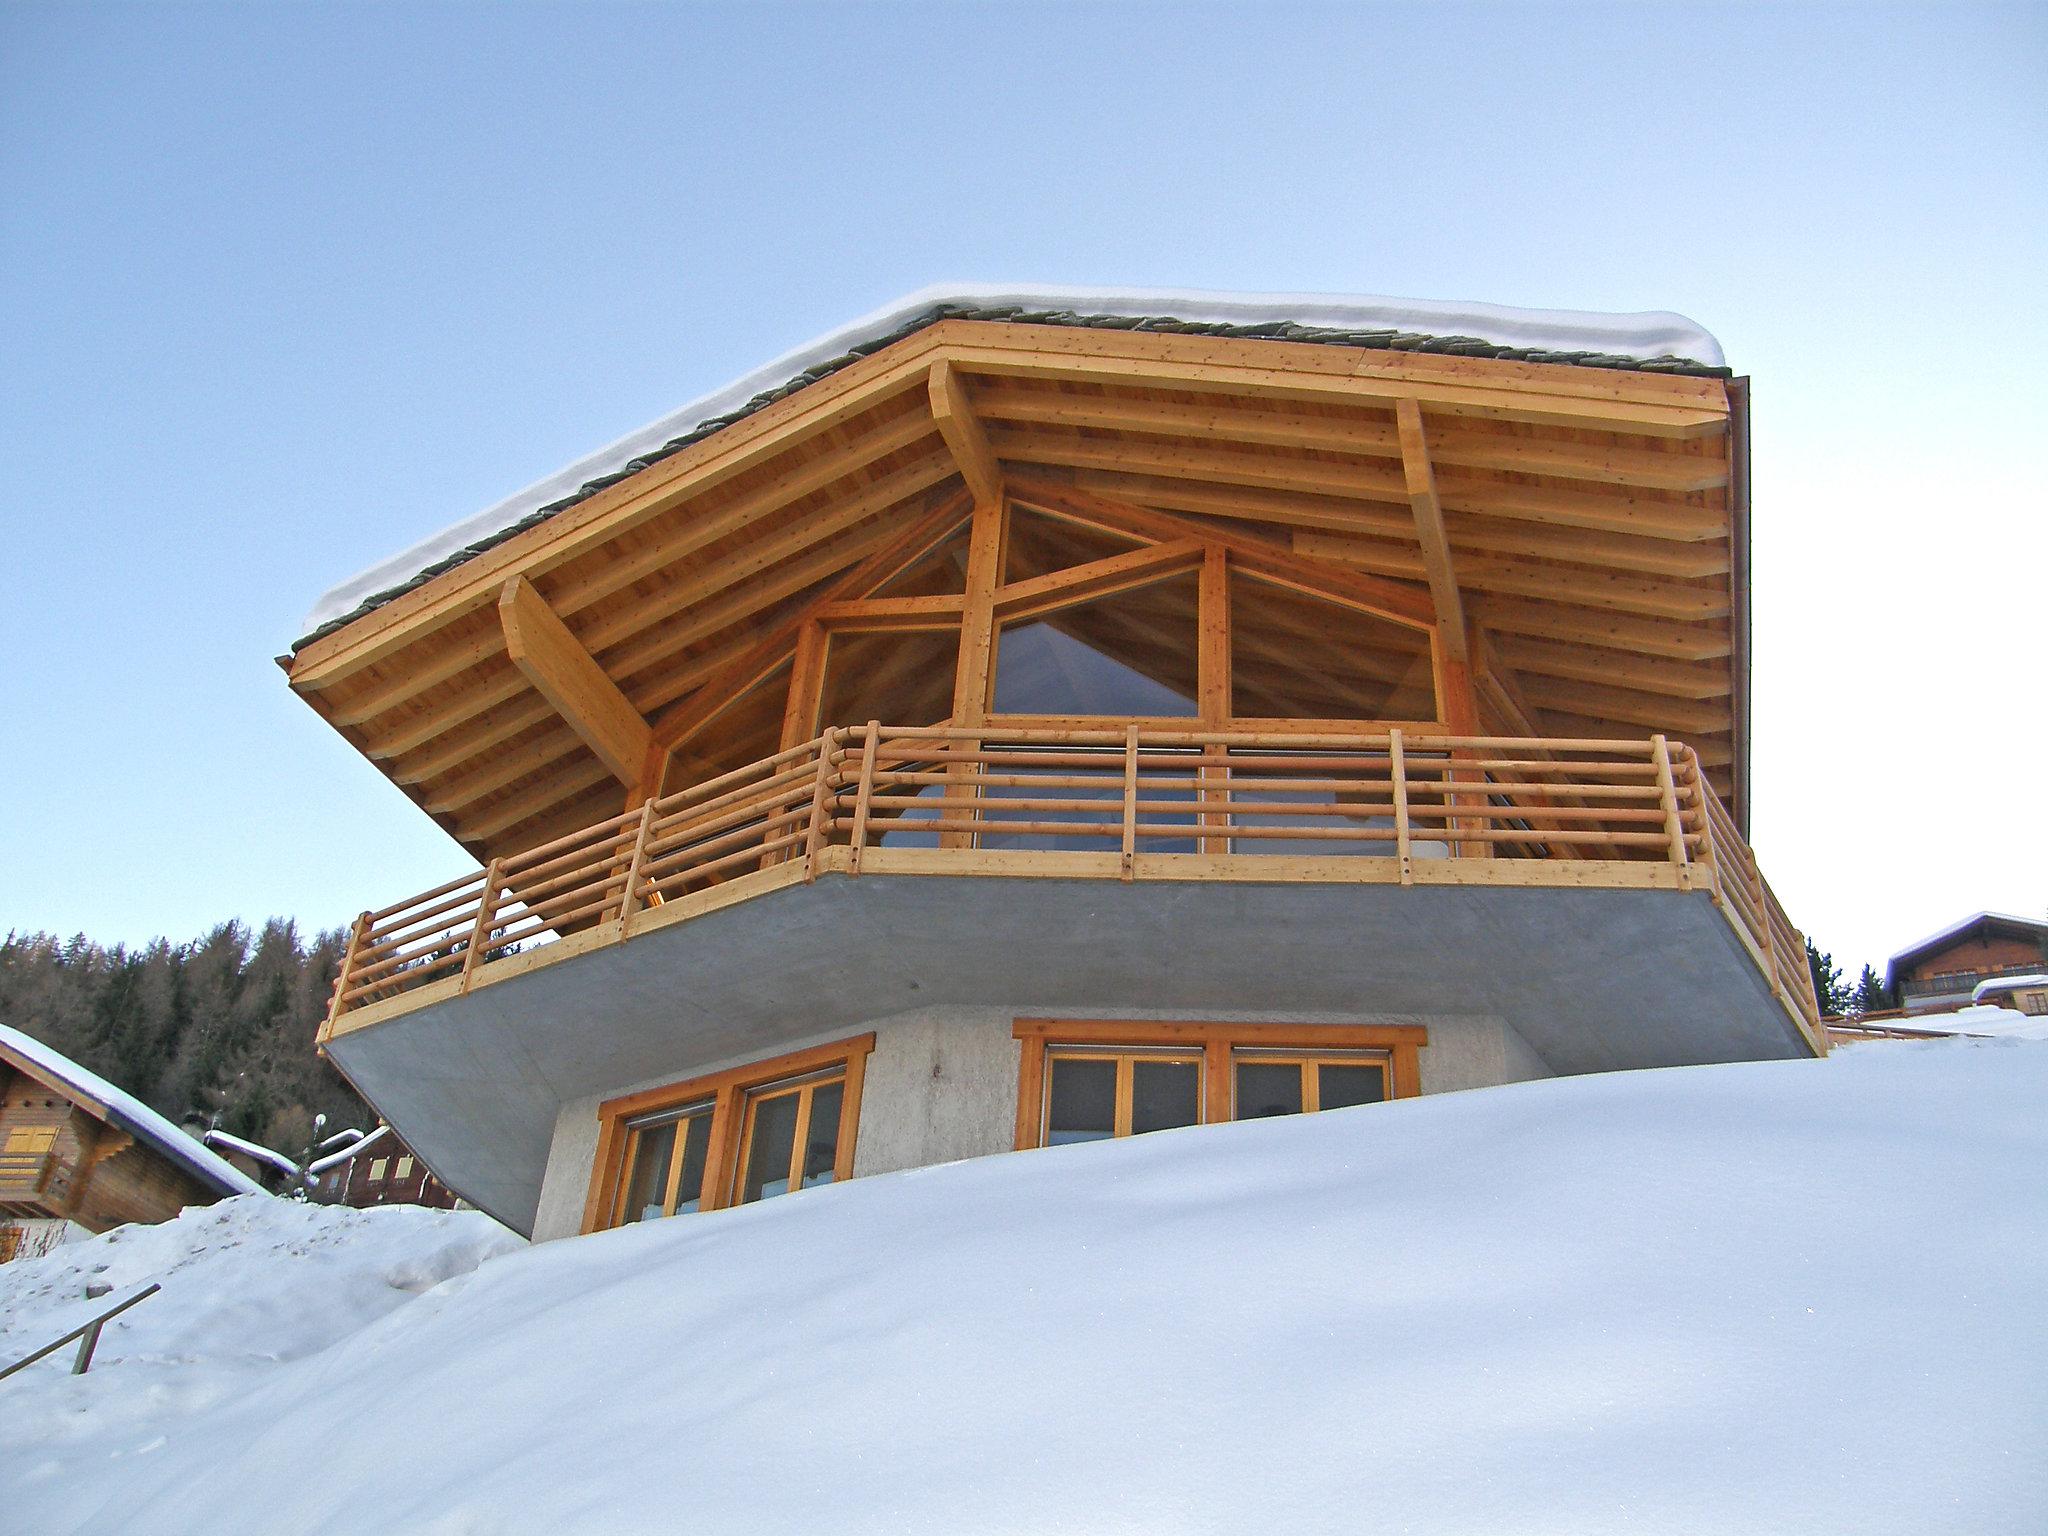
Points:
(1944, 970)
(1020, 718)
(78, 1154)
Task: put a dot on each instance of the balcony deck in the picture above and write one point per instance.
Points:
(1137, 805)
(1592, 893)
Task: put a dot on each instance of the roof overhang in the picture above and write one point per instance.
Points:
(1591, 510)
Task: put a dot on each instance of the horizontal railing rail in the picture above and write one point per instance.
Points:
(1136, 792)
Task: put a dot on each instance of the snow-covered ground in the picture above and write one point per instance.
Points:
(1786, 1297)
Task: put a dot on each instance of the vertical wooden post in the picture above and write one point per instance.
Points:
(806, 686)
(820, 795)
(864, 796)
(977, 648)
(1667, 795)
(1397, 767)
(1696, 784)
(1459, 706)
(1130, 801)
(1212, 667)
(356, 933)
(480, 932)
(633, 868)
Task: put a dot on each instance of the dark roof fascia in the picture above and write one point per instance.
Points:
(1277, 330)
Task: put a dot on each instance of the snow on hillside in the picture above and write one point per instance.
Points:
(1786, 1297)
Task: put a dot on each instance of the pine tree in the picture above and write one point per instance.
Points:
(1828, 986)
(1871, 994)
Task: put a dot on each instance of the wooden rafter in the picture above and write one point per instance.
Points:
(555, 662)
(1398, 601)
(1429, 531)
(1097, 578)
(965, 436)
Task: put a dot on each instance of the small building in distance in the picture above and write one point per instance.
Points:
(78, 1155)
(378, 1170)
(1942, 972)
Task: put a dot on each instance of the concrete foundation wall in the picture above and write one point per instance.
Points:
(941, 1085)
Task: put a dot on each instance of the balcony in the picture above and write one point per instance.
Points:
(1134, 806)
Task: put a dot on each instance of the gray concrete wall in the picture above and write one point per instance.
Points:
(941, 1085)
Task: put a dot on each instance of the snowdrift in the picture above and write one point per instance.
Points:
(1787, 1297)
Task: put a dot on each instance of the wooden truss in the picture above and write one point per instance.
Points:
(1557, 545)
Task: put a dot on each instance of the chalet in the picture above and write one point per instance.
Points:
(378, 1170)
(79, 1155)
(1025, 718)
(1943, 972)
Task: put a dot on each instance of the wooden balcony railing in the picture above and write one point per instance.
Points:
(1135, 802)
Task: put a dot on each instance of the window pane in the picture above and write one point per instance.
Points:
(647, 1179)
(1128, 654)
(821, 1139)
(898, 678)
(774, 1137)
(1298, 656)
(1081, 1103)
(1341, 1087)
(696, 1146)
(1165, 1094)
(1268, 1088)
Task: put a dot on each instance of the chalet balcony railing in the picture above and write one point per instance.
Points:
(1131, 803)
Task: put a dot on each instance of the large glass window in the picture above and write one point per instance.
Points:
(791, 1136)
(1298, 657)
(664, 1166)
(1092, 1095)
(1271, 1082)
(734, 1136)
(896, 677)
(1094, 1080)
(1129, 653)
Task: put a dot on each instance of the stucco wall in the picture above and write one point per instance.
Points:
(941, 1085)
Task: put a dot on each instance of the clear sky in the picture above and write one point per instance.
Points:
(284, 288)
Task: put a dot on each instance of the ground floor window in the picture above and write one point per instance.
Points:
(728, 1138)
(1089, 1080)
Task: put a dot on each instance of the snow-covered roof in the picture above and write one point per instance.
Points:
(255, 1151)
(1997, 984)
(1653, 339)
(350, 1152)
(128, 1112)
(1953, 931)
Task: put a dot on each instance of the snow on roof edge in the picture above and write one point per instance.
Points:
(141, 1118)
(1648, 335)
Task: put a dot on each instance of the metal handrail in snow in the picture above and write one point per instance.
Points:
(90, 1331)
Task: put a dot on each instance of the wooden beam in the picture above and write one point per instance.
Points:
(963, 433)
(806, 685)
(1395, 600)
(1097, 578)
(973, 673)
(939, 611)
(1429, 530)
(1212, 627)
(554, 661)
(1617, 631)
(1372, 435)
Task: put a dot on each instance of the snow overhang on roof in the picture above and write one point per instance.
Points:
(1654, 340)
(124, 1111)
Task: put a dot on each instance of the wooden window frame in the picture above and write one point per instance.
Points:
(804, 1089)
(1125, 1056)
(1038, 1038)
(727, 1093)
(1302, 1059)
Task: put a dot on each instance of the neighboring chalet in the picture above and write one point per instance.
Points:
(1026, 718)
(1943, 972)
(378, 1170)
(77, 1155)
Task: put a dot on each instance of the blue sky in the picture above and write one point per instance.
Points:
(284, 288)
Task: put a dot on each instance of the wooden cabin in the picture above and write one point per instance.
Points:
(1944, 970)
(1026, 718)
(79, 1155)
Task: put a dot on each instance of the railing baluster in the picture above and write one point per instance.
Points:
(1397, 770)
(633, 868)
(1130, 850)
(863, 797)
(480, 931)
(1667, 794)
(814, 840)
(346, 975)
